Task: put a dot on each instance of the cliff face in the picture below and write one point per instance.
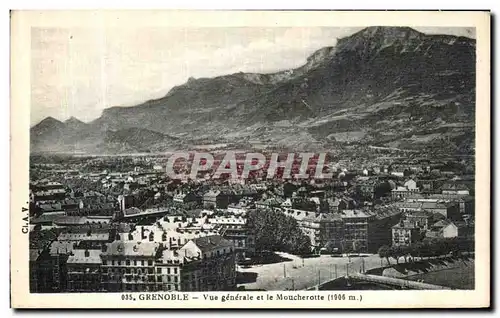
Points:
(380, 86)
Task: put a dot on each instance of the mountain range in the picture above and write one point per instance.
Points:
(382, 86)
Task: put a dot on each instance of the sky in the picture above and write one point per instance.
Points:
(81, 71)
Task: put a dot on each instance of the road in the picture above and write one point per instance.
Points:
(305, 273)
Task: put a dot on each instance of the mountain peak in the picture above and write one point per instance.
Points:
(49, 121)
(73, 120)
(391, 32)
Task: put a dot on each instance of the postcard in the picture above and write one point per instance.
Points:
(250, 159)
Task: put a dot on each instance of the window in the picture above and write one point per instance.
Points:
(113, 262)
(175, 270)
(142, 262)
(128, 262)
(150, 263)
(158, 270)
(168, 270)
(135, 263)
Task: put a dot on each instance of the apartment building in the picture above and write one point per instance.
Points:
(203, 264)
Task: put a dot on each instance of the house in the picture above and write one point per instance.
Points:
(321, 228)
(405, 206)
(336, 205)
(420, 219)
(453, 188)
(466, 203)
(202, 264)
(400, 192)
(447, 229)
(411, 185)
(50, 208)
(235, 229)
(130, 266)
(272, 202)
(42, 267)
(427, 185)
(70, 205)
(398, 173)
(215, 199)
(186, 197)
(88, 236)
(449, 210)
(356, 230)
(405, 233)
(84, 270)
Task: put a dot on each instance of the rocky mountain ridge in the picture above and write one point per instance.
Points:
(382, 86)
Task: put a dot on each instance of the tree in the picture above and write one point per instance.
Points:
(396, 252)
(436, 247)
(275, 231)
(384, 252)
(405, 252)
(416, 250)
(346, 248)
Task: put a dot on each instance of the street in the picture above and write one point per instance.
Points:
(299, 274)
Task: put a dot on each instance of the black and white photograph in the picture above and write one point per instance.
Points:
(326, 160)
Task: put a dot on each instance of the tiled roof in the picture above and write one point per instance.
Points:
(79, 257)
(131, 248)
(50, 207)
(400, 189)
(34, 254)
(434, 205)
(208, 243)
(83, 237)
(44, 218)
(454, 186)
(405, 225)
(61, 247)
(418, 214)
(323, 217)
(71, 220)
(354, 214)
